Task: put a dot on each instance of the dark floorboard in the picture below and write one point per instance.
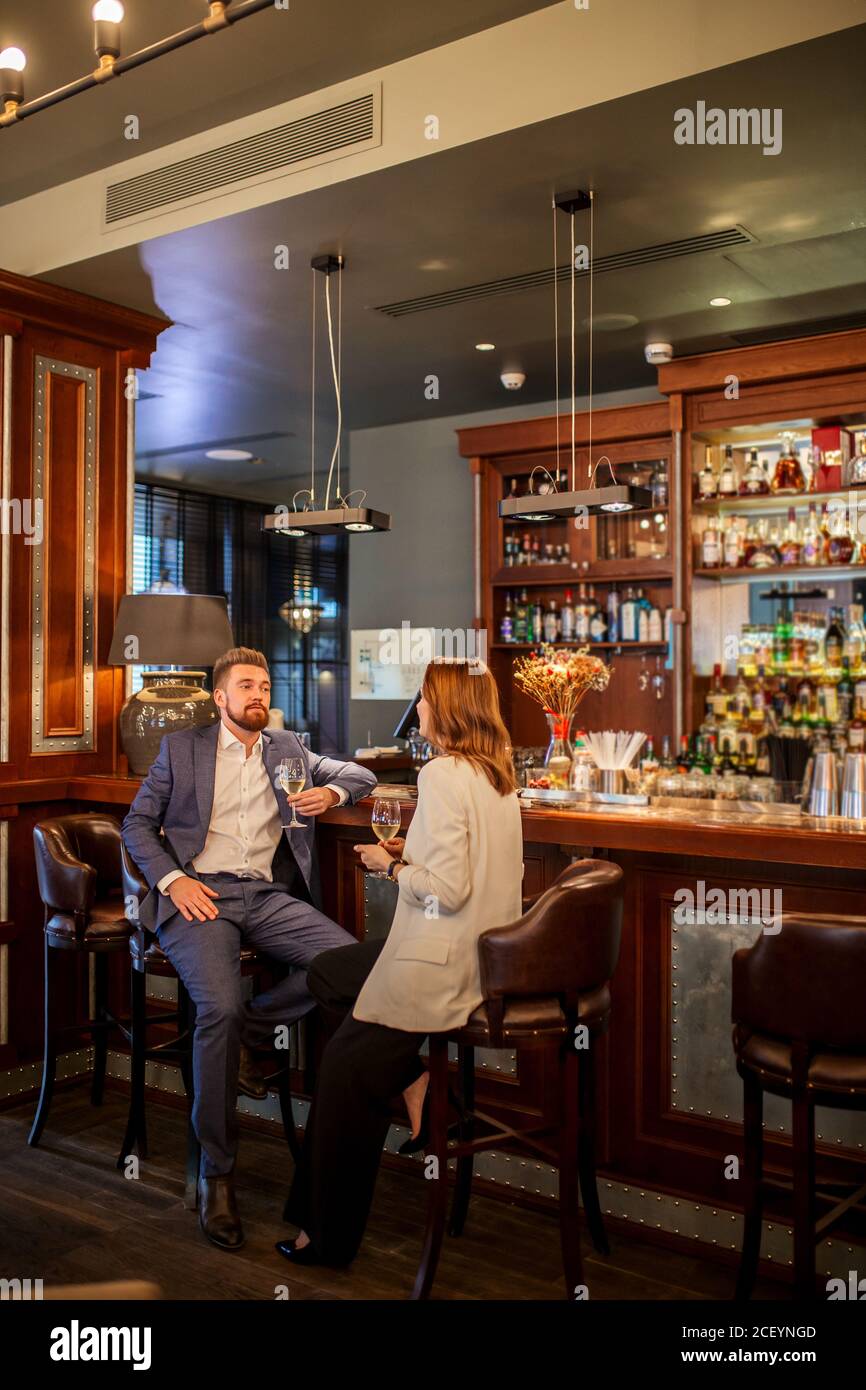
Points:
(68, 1216)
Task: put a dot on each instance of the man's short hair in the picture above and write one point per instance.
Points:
(236, 656)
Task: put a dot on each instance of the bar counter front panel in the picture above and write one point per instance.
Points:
(669, 1095)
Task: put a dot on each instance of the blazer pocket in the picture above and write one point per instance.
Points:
(430, 948)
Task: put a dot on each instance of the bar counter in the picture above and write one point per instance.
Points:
(669, 1094)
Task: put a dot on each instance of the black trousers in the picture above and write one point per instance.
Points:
(364, 1065)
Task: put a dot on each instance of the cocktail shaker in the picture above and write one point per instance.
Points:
(854, 786)
(820, 786)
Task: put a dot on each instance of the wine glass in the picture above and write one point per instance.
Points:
(643, 677)
(292, 774)
(385, 821)
(658, 680)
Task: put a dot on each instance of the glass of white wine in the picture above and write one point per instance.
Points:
(292, 774)
(385, 821)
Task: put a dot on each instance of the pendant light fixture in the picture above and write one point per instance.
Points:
(301, 615)
(310, 519)
(591, 499)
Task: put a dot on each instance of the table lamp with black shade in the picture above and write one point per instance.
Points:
(160, 631)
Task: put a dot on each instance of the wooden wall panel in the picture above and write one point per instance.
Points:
(66, 509)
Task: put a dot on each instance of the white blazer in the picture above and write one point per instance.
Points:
(465, 849)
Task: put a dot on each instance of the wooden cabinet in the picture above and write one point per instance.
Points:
(638, 552)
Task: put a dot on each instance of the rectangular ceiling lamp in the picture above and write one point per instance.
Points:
(546, 506)
(327, 523)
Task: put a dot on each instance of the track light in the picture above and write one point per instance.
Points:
(12, 64)
(107, 17)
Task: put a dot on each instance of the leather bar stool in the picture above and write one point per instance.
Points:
(541, 976)
(78, 871)
(799, 1032)
(148, 958)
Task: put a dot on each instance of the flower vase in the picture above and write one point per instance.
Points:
(560, 753)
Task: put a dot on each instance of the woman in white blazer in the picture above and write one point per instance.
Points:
(458, 874)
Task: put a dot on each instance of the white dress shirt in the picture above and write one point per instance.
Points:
(245, 827)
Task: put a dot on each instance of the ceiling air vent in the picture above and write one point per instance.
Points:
(535, 279)
(312, 139)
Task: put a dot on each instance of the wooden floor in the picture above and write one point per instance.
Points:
(68, 1216)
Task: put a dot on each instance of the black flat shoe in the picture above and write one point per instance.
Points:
(305, 1256)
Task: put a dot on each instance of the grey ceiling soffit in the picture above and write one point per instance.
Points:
(320, 135)
(535, 279)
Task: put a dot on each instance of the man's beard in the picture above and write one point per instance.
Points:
(250, 719)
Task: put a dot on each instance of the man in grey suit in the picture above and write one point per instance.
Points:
(207, 831)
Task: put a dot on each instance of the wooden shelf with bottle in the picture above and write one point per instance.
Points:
(775, 503)
(593, 646)
(740, 575)
(604, 572)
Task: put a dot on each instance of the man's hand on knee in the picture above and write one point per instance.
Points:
(193, 899)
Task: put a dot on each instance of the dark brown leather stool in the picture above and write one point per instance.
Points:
(799, 1011)
(541, 976)
(78, 870)
(148, 958)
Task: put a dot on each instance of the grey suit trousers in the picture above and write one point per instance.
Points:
(206, 956)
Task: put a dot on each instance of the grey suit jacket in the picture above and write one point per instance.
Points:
(176, 798)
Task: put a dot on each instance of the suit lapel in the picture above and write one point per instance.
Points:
(205, 773)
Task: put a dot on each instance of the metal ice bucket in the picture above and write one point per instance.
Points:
(854, 786)
(820, 786)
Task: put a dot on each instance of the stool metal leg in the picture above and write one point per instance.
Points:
(586, 1150)
(287, 1112)
(753, 1161)
(569, 1211)
(466, 1131)
(135, 1138)
(49, 1057)
(804, 1194)
(186, 1010)
(100, 1028)
(438, 1185)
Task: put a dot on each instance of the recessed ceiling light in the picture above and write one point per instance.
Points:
(484, 347)
(719, 302)
(611, 323)
(229, 455)
(433, 265)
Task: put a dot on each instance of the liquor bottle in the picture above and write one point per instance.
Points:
(566, 618)
(755, 482)
(741, 702)
(750, 541)
(731, 553)
(506, 626)
(521, 618)
(536, 550)
(613, 606)
(649, 761)
(685, 760)
(719, 694)
(548, 553)
(783, 634)
(537, 622)
(598, 621)
(654, 625)
(667, 762)
(764, 554)
(758, 711)
(708, 483)
(728, 476)
(512, 491)
(710, 556)
(747, 757)
(791, 548)
(813, 542)
(526, 550)
(855, 638)
(628, 617)
(840, 542)
(788, 476)
(857, 732)
(551, 622)
(582, 615)
(704, 753)
(834, 643)
(855, 472)
(659, 486)
(726, 762)
(845, 692)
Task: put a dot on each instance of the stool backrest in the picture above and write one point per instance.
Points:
(806, 982)
(566, 943)
(77, 859)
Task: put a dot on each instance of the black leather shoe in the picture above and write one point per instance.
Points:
(418, 1143)
(251, 1081)
(305, 1256)
(218, 1212)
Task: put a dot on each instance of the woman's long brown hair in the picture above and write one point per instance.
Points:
(467, 723)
